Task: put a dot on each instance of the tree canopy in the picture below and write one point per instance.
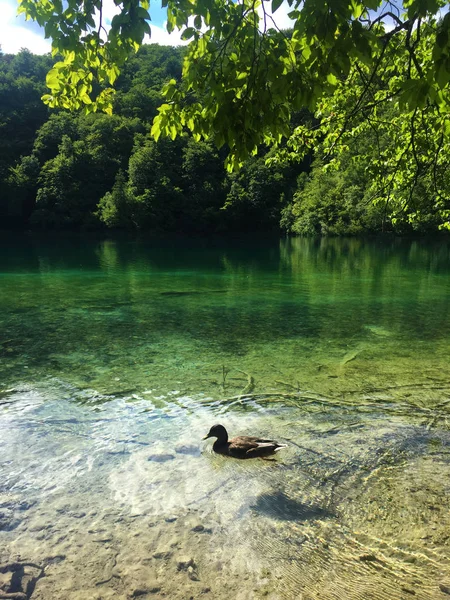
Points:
(359, 66)
(61, 169)
(68, 170)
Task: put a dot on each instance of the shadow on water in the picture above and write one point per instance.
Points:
(277, 505)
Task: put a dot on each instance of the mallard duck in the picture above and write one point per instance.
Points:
(242, 446)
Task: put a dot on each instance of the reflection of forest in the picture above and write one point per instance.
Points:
(397, 284)
(124, 304)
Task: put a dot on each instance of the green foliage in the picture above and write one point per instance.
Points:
(75, 163)
(138, 89)
(21, 114)
(206, 184)
(155, 188)
(362, 187)
(403, 154)
(258, 194)
(332, 203)
(49, 136)
(114, 207)
(251, 77)
(242, 78)
(72, 170)
(175, 186)
(76, 28)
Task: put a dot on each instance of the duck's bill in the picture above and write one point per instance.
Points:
(206, 437)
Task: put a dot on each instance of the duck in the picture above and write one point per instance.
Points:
(243, 446)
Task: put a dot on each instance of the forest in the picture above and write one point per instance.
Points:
(62, 169)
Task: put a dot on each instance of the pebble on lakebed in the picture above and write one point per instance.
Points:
(143, 591)
(188, 564)
(184, 563)
(201, 529)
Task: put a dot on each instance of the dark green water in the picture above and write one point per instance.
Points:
(117, 356)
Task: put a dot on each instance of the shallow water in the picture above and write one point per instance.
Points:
(117, 357)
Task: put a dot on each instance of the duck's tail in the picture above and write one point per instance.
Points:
(280, 447)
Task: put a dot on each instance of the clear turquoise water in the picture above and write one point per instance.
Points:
(116, 358)
(132, 315)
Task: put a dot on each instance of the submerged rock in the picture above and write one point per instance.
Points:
(162, 555)
(184, 563)
(25, 504)
(188, 565)
(201, 529)
(7, 520)
(144, 590)
(187, 449)
(161, 457)
(378, 330)
(76, 514)
(368, 557)
(192, 574)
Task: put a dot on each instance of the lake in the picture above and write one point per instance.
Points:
(117, 356)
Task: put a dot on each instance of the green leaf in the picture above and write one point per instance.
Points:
(143, 14)
(332, 79)
(188, 33)
(442, 76)
(276, 5)
(173, 132)
(156, 129)
(306, 51)
(446, 128)
(442, 38)
(357, 9)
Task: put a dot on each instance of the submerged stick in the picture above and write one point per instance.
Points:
(225, 372)
(349, 357)
(250, 383)
(445, 385)
(298, 399)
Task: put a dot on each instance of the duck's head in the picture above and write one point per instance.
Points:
(217, 431)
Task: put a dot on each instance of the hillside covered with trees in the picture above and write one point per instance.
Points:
(67, 170)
